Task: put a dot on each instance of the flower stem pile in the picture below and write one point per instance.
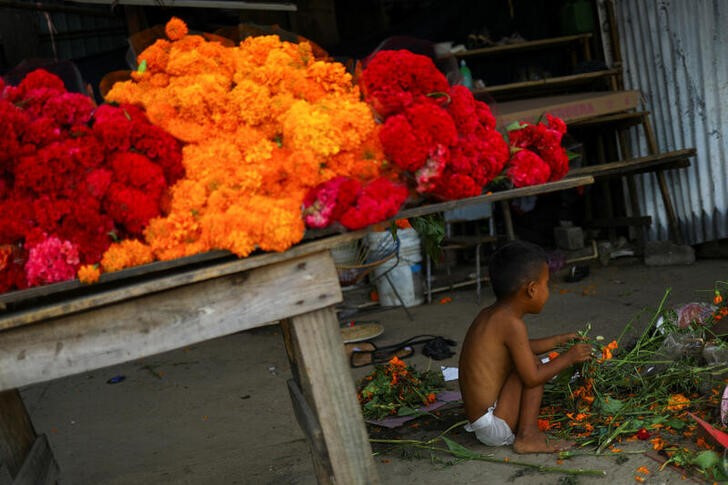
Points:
(397, 389)
(640, 390)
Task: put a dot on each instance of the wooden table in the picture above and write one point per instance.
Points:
(59, 330)
(143, 316)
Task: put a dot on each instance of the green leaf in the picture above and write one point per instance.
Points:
(407, 411)
(459, 450)
(142, 67)
(675, 424)
(431, 230)
(705, 460)
(572, 155)
(611, 406)
(516, 125)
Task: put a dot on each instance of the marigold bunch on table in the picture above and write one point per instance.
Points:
(397, 389)
(72, 178)
(265, 122)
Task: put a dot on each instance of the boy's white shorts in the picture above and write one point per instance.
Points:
(491, 430)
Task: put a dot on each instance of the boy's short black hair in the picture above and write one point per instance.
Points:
(513, 265)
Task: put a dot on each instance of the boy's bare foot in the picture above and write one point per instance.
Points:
(538, 442)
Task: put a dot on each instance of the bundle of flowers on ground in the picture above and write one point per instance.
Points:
(265, 122)
(397, 389)
(642, 390)
(73, 178)
(439, 134)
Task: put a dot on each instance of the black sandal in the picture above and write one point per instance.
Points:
(379, 355)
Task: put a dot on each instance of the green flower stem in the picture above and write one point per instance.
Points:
(534, 466)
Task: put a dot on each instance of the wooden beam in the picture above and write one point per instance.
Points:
(621, 221)
(522, 46)
(225, 4)
(564, 184)
(40, 467)
(135, 288)
(674, 159)
(552, 82)
(16, 431)
(149, 324)
(630, 118)
(332, 395)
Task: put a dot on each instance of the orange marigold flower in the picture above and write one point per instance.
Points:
(126, 254)
(643, 470)
(657, 443)
(701, 443)
(5, 251)
(544, 424)
(431, 398)
(677, 402)
(89, 273)
(718, 298)
(639, 479)
(175, 29)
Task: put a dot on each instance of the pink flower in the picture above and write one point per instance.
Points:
(324, 204)
(50, 261)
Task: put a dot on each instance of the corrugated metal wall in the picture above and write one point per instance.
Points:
(676, 53)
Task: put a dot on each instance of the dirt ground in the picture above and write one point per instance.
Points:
(219, 412)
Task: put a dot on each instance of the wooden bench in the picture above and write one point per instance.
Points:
(657, 163)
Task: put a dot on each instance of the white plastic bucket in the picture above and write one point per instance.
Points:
(406, 275)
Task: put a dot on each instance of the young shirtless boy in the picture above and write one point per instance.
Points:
(501, 379)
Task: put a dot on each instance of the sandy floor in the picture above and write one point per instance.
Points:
(219, 412)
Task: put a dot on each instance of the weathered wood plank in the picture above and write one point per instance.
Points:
(621, 221)
(523, 46)
(143, 270)
(16, 431)
(5, 478)
(629, 118)
(650, 162)
(552, 82)
(40, 467)
(546, 188)
(308, 422)
(166, 320)
(331, 393)
(134, 290)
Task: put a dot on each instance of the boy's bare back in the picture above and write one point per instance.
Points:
(485, 361)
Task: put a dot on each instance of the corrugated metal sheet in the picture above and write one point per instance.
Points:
(676, 53)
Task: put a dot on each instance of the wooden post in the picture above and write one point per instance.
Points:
(507, 220)
(314, 345)
(662, 181)
(16, 431)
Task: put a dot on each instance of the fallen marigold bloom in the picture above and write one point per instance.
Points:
(543, 424)
(677, 402)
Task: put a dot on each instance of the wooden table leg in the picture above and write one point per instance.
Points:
(507, 220)
(24, 457)
(329, 408)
